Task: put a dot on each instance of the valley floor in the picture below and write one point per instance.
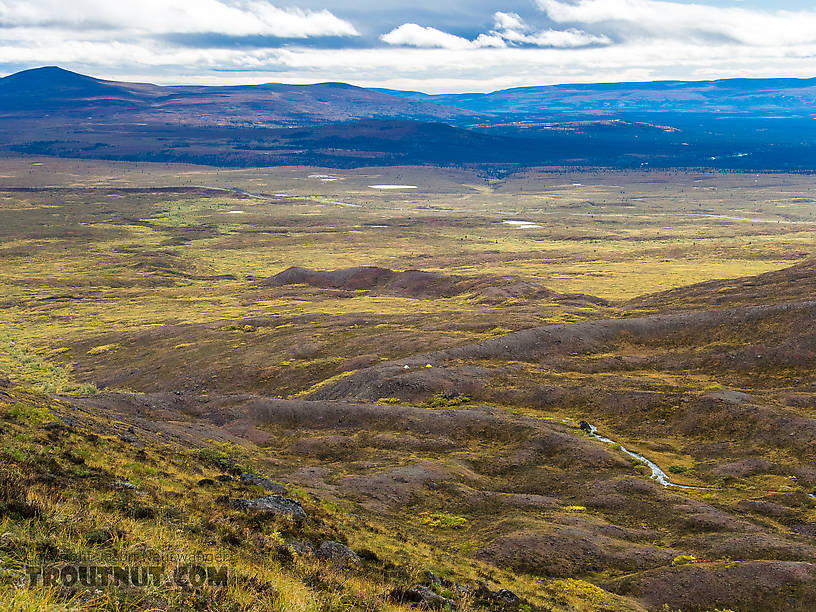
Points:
(410, 370)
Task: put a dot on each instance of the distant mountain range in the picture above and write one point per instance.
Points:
(742, 124)
(54, 90)
(742, 97)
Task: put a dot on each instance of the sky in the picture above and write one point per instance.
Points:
(434, 46)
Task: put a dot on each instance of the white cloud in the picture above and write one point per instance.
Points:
(235, 18)
(511, 27)
(679, 21)
(424, 69)
(414, 35)
(509, 30)
(509, 21)
(441, 70)
(589, 41)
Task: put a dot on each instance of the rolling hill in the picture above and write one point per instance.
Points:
(747, 125)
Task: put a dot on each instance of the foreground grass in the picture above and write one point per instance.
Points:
(63, 502)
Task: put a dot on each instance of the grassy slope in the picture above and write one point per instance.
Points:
(60, 504)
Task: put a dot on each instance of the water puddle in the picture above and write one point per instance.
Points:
(518, 224)
(339, 203)
(727, 218)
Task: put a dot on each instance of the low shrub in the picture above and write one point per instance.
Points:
(446, 400)
(442, 520)
(585, 592)
(30, 414)
(105, 348)
(389, 401)
(684, 560)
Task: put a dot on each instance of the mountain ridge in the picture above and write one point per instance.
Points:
(738, 96)
(742, 124)
(66, 92)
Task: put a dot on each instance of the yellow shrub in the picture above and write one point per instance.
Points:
(574, 588)
(105, 348)
(442, 520)
(684, 560)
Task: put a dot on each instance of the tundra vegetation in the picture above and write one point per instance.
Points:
(362, 399)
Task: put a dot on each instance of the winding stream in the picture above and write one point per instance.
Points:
(657, 474)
